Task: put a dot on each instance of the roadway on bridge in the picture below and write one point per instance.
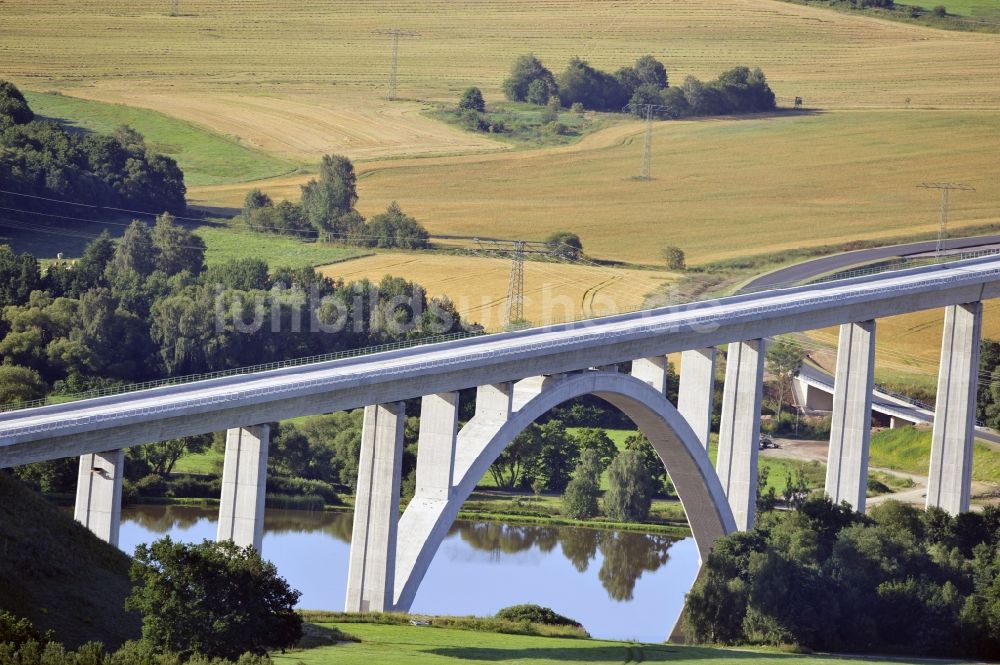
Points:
(800, 272)
(384, 377)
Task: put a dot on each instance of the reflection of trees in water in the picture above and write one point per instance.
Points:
(507, 538)
(627, 556)
(161, 519)
(336, 524)
(579, 546)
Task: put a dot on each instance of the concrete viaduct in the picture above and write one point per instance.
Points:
(519, 376)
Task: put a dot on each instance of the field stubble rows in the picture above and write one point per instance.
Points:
(302, 78)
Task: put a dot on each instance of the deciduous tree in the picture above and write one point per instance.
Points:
(215, 599)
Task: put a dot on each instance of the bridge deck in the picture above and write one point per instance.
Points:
(213, 405)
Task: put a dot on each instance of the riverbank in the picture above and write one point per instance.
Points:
(667, 516)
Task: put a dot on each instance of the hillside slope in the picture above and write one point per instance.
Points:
(58, 574)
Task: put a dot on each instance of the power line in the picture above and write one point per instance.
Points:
(98, 207)
(395, 33)
(945, 188)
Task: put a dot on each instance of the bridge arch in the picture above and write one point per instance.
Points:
(426, 520)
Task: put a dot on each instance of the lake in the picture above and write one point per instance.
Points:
(618, 584)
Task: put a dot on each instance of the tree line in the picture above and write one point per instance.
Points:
(646, 83)
(898, 580)
(327, 211)
(146, 307)
(38, 158)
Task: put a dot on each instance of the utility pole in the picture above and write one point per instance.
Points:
(945, 188)
(647, 147)
(395, 33)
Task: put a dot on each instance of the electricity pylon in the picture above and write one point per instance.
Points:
(647, 148)
(516, 249)
(945, 188)
(395, 33)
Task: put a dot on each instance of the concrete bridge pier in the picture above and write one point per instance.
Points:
(950, 478)
(372, 567)
(244, 486)
(739, 429)
(652, 371)
(851, 421)
(697, 390)
(436, 446)
(99, 494)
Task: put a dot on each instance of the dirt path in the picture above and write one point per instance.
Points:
(816, 451)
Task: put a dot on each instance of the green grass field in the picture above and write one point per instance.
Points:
(226, 243)
(222, 243)
(207, 158)
(908, 449)
(986, 9)
(420, 645)
(209, 461)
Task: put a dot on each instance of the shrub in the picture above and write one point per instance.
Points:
(555, 129)
(940, 11)
(674, 258)
(576, 107)
(295, 502)
(303, 486)
(152, 485)
(472, 99)
(194, 487)
(535, 614)
(565, 244)
(13, 106)
(551, 112)
(18, 630)
(394, 228)
(473, 120)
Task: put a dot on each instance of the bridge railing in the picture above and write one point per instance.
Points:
(236, 371)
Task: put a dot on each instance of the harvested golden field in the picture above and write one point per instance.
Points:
(306, 77)
(908, 347)
(722, 188)
(553, 292)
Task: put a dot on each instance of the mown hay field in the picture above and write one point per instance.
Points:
(301, 78)
(553, 292)
(722, 188)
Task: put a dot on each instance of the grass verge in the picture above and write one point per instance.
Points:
(909, 449)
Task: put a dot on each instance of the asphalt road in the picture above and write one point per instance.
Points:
(808, 269)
